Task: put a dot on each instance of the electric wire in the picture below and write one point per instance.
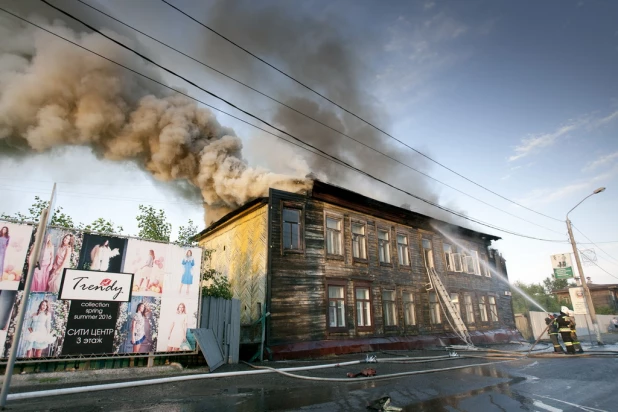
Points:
(597, 265)
(353, 114)
(314, 119)
(330, 157)
(581, 233)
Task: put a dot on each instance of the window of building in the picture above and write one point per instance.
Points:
(390, 308)
(476, 263)
(434, 309)
(363, 307)
(409, 314)
(469, 308)
(493, 309)
(428, 253)
(448, 257)
(291, 229)
(485, 266)
(333, 236)
(483, 309)
(384, 246)
(455, 302)
(359, 241)
(403, 250)
(470, 260)
(336, 306)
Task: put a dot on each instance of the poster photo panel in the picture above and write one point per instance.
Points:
(15, 240)
(183, 277)
(148, 262)
(178, 315)
(60, 250)
(7, 304)
(103, 253)
(44, 326)
(137, 325)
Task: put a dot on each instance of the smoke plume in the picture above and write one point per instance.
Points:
(55, 94)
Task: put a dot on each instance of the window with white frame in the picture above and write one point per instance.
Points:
(336, 306)
(363, 307)
(483, 308)
(434, 309)
(469, 308)
(390, 308)
(359, 241)
(403, 250)
(476, 263)
(428, 253)
(333, 236)
(493, 309)
(291, 229)
(384, 246)
(485, 266)
(409, 314)
(455, 301)
(448, 257)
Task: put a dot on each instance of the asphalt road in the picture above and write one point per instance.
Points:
(567, 384)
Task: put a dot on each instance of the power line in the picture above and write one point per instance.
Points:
(313, 118)
(597, 265)
(611, 257)
(352, 113)
(330, 157)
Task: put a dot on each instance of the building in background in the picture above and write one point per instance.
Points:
(340, 272)
(604, 297)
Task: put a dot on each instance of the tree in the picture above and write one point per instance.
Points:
(551, 284)
(186, 234)
(525, 294)
(101, 226)
(217, 284)
(152, 224)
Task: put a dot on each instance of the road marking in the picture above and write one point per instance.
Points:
(584, 408)
(541, 405)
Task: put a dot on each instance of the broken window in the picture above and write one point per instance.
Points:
(333, 236)
(493, 309)
(485, 266)
(359, 241)
(409, 314)
(390, 308)
(469, 308)
(483, 309)
(403, 250)
(291, 229)
(455, 301)
(428, 253)
(434, 309)
(448, 256)
(363, 307)
(384, 246)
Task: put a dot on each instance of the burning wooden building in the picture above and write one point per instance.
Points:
(339, 272)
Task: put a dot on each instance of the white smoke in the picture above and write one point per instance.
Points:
(55, 94)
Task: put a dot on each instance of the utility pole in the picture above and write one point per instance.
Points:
(587, 295)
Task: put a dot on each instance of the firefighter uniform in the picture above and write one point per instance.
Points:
(553, 333)
(564, 327)
(576, 345)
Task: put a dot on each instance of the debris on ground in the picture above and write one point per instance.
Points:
(383, 404)
(364, 372)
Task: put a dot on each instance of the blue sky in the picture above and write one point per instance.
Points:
(521, 97)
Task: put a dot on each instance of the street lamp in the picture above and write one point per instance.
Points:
(587, 296)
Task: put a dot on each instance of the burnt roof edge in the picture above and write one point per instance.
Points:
(229, 216)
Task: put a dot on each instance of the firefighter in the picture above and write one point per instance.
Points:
(576, 345)
(564, 327)
(550, 320)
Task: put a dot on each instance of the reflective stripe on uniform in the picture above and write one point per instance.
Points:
(565, 329)
(568, 343)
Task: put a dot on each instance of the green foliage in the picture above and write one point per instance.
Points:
(101, 226)
(152, 224)
(551, 284)
(218, 286)
(605, 310)
(186, 234)
(536, 292)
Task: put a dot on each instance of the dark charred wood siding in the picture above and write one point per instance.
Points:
(297, 280)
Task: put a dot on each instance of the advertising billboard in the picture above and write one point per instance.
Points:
(563, 268)
(578, 300)
(96, 294)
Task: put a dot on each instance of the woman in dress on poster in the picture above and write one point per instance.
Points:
(101, 255)
(61, 261)
(138, 327)
(38, 335)
(187, 276)
(4, 245)
(178, 330)
(146, 271)
(41, 274)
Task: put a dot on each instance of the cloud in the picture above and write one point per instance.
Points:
(602, 160)
(605, 120)
(534, 144)
(428, 5)
(549, 195)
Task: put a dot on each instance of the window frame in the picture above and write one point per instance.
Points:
(448, 257)
(340, 218)
(482, 305)
(389, 247)
(336, 283)
(469, 307)
(371, 326)
(430, 249)
(458, 302)
(365, 240)
(301, 230)
(434, 306)
(493, 314)
(392, 304)
(485, 269)
(409, 304)
(407, 250)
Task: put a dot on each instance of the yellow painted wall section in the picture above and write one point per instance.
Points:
(239, 252)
